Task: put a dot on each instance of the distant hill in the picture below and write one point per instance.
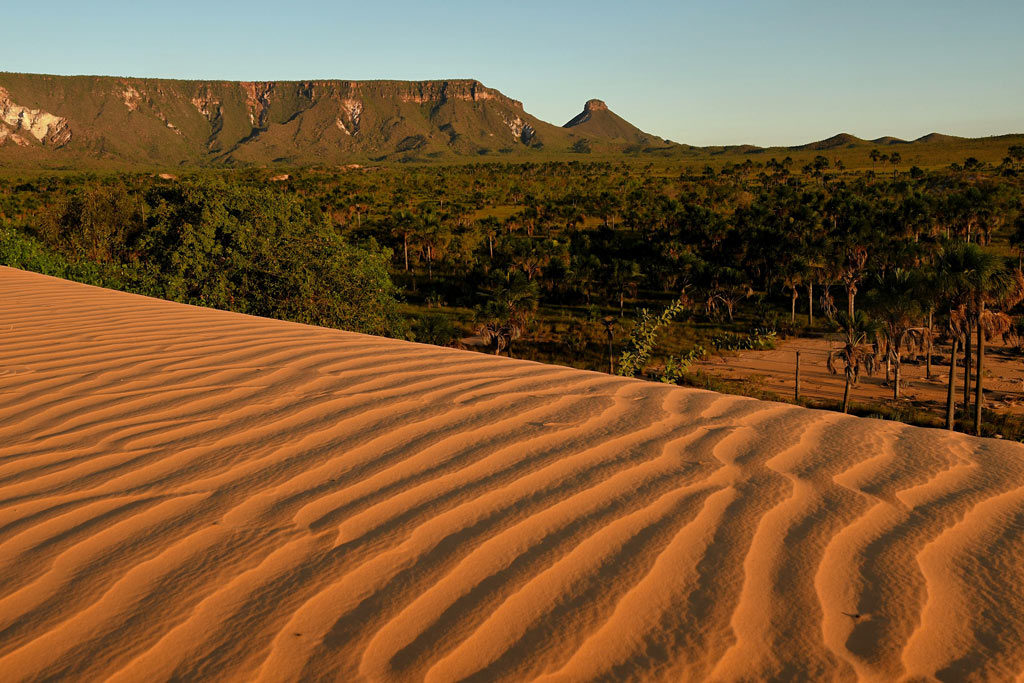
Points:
(834, 142)
(52, 122)
(889, 140)
(161, 122)
(599, 122)
(939, 137)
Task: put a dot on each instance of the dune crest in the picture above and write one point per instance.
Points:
(194, 494)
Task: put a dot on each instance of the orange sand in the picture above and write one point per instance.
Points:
(192, 494)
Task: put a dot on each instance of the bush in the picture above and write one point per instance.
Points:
(436, 329)
(759, 339)
(675, 368)
(235, 247)
(21, 251)
(643, 337)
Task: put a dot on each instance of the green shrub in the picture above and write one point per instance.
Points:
(643, 337)
(759, 339)
(675, 368)
(18, 250)
(436, 329)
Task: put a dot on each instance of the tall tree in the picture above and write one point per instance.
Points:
(973, 279)
(896, 306)
(856, 353)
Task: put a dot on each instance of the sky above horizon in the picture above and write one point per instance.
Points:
(703, 73)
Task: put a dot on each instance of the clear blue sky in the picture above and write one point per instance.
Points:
(711, 72)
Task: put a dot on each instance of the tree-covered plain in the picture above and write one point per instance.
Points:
(559, 261)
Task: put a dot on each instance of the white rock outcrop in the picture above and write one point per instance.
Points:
(45, 127)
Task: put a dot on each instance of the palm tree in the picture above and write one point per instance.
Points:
(624, 276)
(955, 262)
(609, 328)
(491, 228)
(403, 225)
(975, 279)
(990, 324)
(855, 352)
(895, 301)
(499, 334)
(508, 312)
(896, 159)
(956, 332)
(792, 274)
(728, 288)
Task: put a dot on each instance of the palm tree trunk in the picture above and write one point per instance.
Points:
(611, 356)
(405, 246)
(967, 367)
(951, 390)
(928, 343)
(896, 380)
(792, 315)
(846, 394)
(810, 304)
(978, 402)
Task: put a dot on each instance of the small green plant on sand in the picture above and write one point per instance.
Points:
(643, 338)
(676, 368)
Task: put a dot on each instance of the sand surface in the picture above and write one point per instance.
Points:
(198, 495)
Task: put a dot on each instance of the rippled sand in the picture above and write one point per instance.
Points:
(193, 494)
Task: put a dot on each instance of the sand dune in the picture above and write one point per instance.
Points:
(192, 494)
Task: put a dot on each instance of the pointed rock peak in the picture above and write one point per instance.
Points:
(590, 108)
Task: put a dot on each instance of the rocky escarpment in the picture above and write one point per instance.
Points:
(168, 122)
(46, 128)
(257, 101)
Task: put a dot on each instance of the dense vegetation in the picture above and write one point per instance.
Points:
(236, 247)
(557, 261)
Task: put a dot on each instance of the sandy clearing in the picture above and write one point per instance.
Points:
(193, 494)
(774, 371)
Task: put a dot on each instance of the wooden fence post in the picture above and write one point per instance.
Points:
(796, 388)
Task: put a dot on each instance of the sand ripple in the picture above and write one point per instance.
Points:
(192, 494)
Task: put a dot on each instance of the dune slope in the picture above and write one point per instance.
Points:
(192, 494)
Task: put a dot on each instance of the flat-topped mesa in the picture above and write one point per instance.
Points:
(259, 95)
(314, 121)
(419, 92)
(469, 90)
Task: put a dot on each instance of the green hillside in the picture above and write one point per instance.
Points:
(104, 122)
(167, 122)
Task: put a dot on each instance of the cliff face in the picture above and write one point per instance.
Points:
(18, 123)
(62, 119)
